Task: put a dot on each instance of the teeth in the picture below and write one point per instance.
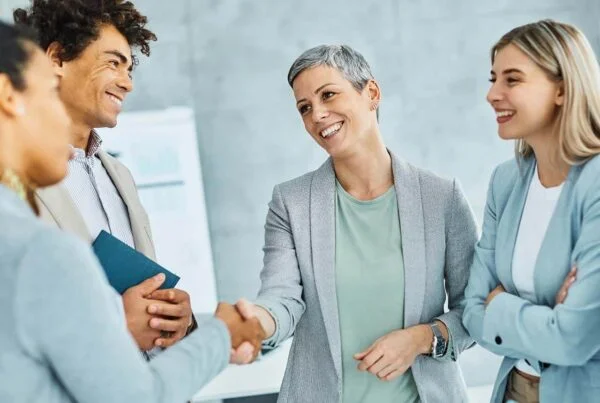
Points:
(504, 113)
(115, 99)
(331, 130)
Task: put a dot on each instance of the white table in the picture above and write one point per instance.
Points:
(262, 377)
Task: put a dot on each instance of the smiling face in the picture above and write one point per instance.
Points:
(335, 114)
(94, 85)
(526, 101)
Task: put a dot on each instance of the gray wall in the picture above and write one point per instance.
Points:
(229, 59)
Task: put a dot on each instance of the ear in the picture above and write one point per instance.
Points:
(559, 99)
(54, 52)
(11, 102)
(373, 91)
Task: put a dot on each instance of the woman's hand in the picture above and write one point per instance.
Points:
(493, 294)
(246, 353)
(563, 291)
(391, 355)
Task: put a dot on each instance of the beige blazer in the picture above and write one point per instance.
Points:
(57, 207)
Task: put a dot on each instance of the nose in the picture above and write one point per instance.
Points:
(494, 94)
(319, 113)
(125, 82)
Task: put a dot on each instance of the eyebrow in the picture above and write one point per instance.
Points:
(122, 58)
(508, 71)
(316, 92)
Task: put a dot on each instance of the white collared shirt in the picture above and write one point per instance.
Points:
(95, 195)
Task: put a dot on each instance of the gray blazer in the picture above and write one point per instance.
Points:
(298, 281)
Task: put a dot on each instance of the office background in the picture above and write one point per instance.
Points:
(228, 61)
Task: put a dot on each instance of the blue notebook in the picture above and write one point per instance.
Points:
(126, 267)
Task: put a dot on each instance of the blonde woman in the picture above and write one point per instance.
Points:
(534, 290)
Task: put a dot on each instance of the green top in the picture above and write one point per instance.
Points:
(370, 291)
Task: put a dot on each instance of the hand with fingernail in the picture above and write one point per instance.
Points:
(563, 291)
(247, 334)
(136, 307)
(172, 311)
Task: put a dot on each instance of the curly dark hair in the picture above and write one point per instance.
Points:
(74, 24)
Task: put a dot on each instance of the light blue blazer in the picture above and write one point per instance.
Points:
(561, 341)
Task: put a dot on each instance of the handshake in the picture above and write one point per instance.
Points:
(247, 332)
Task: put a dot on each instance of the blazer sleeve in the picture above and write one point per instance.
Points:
(566, 334)
(461, 235)
(281, 285)
(66, 312)
(483, 279)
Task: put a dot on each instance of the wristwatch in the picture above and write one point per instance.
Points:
(439, 345)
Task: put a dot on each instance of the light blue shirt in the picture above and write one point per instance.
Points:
(63, 337)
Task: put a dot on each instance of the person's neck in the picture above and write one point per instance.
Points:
(11, 152)
(552, 169)
(367, 172)
(12, 167)
(80, 136)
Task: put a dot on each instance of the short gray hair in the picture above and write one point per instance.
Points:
(343, 58)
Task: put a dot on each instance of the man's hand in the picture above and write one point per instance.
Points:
(136, 305)
(246, 334)
(175, 315)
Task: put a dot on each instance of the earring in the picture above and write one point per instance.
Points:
(10, 178)
(374, 106)
(24, 191)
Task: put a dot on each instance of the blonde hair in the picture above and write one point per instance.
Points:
(564, 53)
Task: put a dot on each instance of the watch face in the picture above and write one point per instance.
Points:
(440, 347)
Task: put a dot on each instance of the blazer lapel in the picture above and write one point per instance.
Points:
(322, 227)
(554, 257)
(508, 226)
(410, 211)
(138, 230)
(59, 203)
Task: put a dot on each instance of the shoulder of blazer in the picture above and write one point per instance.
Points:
(589, 173)
(430, 180)
(124, 177)
(301, 185)
(503, 181)
(506, 175)
(117, 165)
(432, 187)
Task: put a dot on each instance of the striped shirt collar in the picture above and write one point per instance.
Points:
(94, 144)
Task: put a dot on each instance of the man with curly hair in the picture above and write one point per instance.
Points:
(90, 43)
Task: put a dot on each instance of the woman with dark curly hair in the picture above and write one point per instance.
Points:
(63, 337)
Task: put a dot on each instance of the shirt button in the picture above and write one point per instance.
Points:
(498, 340)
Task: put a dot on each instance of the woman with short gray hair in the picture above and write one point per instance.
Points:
(362, 254)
